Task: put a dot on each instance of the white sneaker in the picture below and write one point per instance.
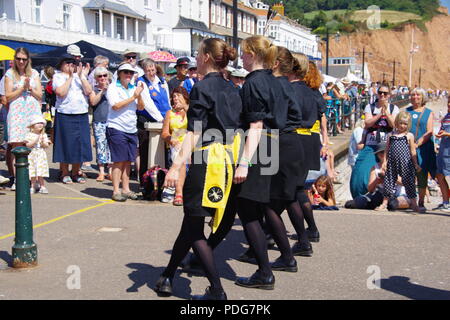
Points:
(43, 190)
(13, 187)
(32, 190)
(3, 180)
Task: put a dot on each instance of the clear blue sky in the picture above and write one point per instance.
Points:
(446, 3)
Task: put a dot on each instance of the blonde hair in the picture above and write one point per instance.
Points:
(403, 116)
(262, 48)
(28, 68)
(301, 66)
(423, 93)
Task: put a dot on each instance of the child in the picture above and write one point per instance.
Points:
(321, 194)
(37, 140)
(401, 160)
(443, 159)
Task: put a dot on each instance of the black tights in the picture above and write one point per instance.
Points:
(250, 217)
(192, 235)
(306, 208)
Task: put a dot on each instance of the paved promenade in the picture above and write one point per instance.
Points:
(92, 248)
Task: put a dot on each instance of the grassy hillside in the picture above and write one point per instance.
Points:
(362, 15)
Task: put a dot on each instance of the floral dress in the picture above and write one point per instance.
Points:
(22, 109)
(38, 157)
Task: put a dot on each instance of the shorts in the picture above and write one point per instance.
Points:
(122, 145)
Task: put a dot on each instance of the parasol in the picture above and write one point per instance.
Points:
(161, 56)
(6, 53)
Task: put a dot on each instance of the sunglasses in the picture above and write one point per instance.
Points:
(128, 72)
(22, 59)
(102, 76)
(130, 57)
(383, 92)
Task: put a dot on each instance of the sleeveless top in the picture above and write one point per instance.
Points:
(177, 125)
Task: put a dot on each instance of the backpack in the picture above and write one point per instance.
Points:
(153, 181)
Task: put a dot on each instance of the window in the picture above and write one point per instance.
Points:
(97, 23)
(217, 14)
(229, 15)
(239, 22)
(224, 16)
(146, 3)
(213, 13)
(119, 27)
(2, 7)
(158, 5)
(66, 16)
(37, 11)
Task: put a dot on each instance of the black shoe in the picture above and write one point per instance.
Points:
(302, 249)
(247, 257)
(257, 281)
(163, 286)
(192, 265)
(281, 265)
(313, 236)
(211, 294)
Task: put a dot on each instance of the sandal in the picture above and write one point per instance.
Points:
(100, 178)
(79, 179)
(119, 197)
(130, 195)
(178, 201)
(381, 208)
(67, 180)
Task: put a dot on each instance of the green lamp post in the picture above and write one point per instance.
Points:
(24, 251)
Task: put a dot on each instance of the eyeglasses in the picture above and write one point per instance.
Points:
(22, 59)
(130, 57)
(102, 76)
(383, 92)
(128, 72)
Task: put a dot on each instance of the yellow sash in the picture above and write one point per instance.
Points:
(307, 132)
(219, 177)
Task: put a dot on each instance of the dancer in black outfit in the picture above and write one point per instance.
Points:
(214, 105)
(291, 166)
(311, 114)
(265, 106)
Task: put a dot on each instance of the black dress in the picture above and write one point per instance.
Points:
(263, 99)
(214, 109)
(291, 153)
(310, 116)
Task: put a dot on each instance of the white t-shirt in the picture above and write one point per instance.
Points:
(371, 137)
(353, 149)
(75, 102)
(2, 86)
(125, 119)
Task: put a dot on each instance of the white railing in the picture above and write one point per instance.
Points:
(58, 36)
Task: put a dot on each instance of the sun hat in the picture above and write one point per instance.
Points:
(74, 50)
(36, 119)
(126, 66)
(239, 73)
(128, 51)
(192, 65)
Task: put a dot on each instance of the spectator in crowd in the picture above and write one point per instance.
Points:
(422, 129)
(99, 61)
(192, 75)
(321, 194)
(23, 92)
(374, 197)
(124, 99)
(37, 140)
(401, 161)
(182, 70)
(72, 141)
(75, 52)
(443, 159)
(131, 56)
(237, 77)
(159, 93)
(354, 141)
(50, 98)
(379, 120)
(173, 133)
(100, 107)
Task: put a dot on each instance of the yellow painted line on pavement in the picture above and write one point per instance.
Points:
(62, 217)
(64, 198)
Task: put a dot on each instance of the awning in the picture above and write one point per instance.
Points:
(34, 48)
(113, 7)
(206, 34)
(6, 53)
(197, 28)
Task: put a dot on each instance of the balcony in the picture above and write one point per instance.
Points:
(22, 31)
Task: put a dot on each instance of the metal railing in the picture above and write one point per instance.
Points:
(348, 112)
